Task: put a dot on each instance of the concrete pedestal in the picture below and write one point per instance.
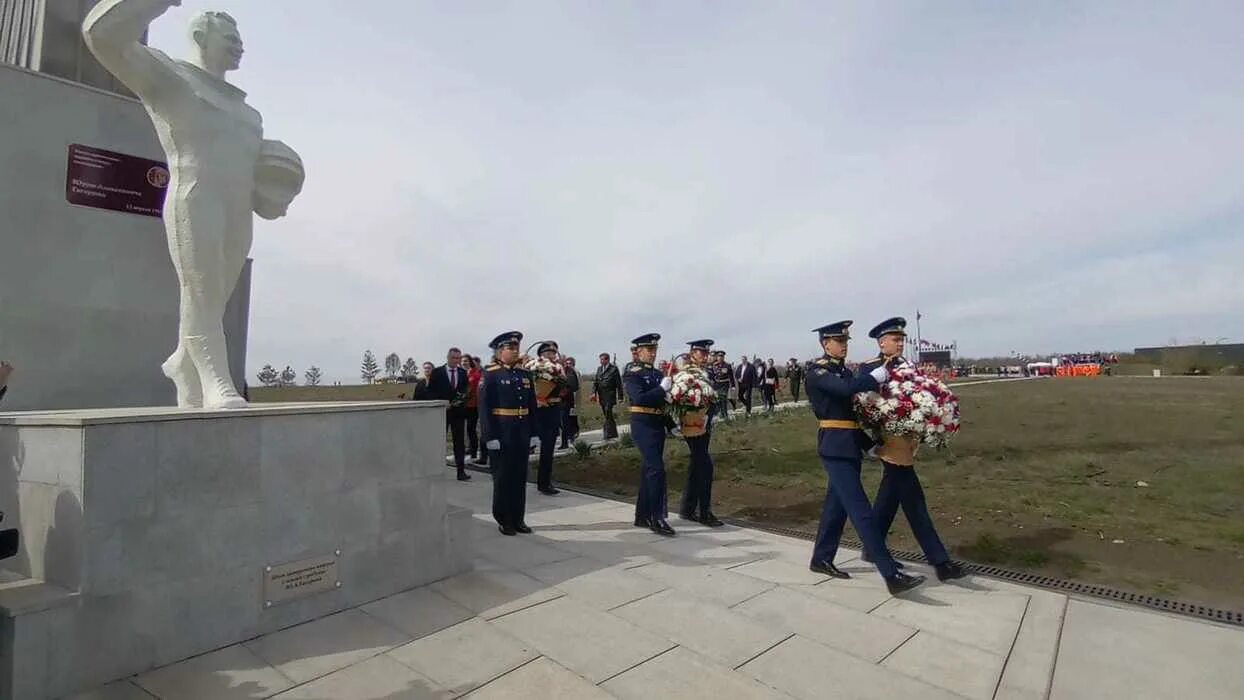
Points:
(150, 535)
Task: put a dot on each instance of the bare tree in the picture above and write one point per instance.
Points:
(313, 376)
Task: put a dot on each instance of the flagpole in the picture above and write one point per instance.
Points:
(919, 339)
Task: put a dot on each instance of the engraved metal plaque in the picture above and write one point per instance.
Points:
(297, 579)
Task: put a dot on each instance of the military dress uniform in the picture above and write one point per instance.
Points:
(900, 486)
(831, 386)
(507, 403)
(722, 376)
(645, 388)
(697, 497)
(794, 377)
(548, 423)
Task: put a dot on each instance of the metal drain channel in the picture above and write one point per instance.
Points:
(1228, 617)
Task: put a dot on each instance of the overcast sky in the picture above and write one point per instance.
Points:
(1033, 176)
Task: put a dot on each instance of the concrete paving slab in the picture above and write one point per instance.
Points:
(1114, 652)
(862, 594)
(233, 673)
(805, 669)
(781, 571)
(959, 668)
(378, 678)
(591, 582)
(987, 621)
(465, 656)
(541, 679)
(594, 644)
(708, 582)
(491, 594)
(867, 636)
(418, 612)
(519, 552)
(121, 690)
(328, 644)
(708, 629)
(1030, 667)
(702, 549)
(681, 673)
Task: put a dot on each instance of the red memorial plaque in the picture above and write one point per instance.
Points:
(115, 181)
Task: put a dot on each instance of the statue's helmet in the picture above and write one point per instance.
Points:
(278, 179)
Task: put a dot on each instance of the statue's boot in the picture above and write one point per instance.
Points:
(181, 370)
(211, 359)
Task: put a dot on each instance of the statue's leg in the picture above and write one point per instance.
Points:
(180, 368)
(197, 244)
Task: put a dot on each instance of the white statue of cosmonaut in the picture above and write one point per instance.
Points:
(221, 170)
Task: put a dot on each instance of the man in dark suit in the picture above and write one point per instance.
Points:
(607, 386)
(570, 404)
(745, 378)
(449, 383)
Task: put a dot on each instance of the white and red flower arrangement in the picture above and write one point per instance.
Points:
(544, 369)
(910, 404)
(692, 390)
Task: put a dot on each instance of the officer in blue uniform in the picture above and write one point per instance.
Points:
(507, 403)
(645, 387)
(722, 376)
(840, 441)
(697, 497)
(548, 422)
(899, 483)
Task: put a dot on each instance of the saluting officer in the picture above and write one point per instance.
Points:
(831, 387)
(646, 387)
(507, 403)
(899, 483)
(548, 422)
(697, 497)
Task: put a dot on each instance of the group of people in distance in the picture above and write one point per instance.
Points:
(509, 405)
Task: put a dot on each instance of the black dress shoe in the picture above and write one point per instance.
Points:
(900, 583)
(463, 476)
(661, 528)
(522, 528)
(948, 571)
(710, 520)
(550, 491)
(642, 522)
(828, 568)
(897, 564)
(507, 530)
(690, 516)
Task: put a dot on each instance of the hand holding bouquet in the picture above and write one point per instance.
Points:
(910, 404)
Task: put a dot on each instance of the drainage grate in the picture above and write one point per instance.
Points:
(1229, 617)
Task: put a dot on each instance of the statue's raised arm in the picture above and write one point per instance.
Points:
(114, 29)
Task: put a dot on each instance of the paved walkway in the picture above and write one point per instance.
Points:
(591, 607)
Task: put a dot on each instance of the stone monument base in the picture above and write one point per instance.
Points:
(150, 535)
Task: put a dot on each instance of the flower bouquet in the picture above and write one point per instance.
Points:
(910, 405)
(549, 376)
(690, 397)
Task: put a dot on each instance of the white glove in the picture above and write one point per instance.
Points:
(535, 441)
(881, 374)
(493, 444)
(666, 383)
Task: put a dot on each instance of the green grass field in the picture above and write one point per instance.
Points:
(1043, 477)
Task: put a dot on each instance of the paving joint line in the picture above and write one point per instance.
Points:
(1011, 650)
(490, 681)
(786, 639)
(900, 646)
(641, 663)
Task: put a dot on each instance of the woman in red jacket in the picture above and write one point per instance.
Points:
(474, 374)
